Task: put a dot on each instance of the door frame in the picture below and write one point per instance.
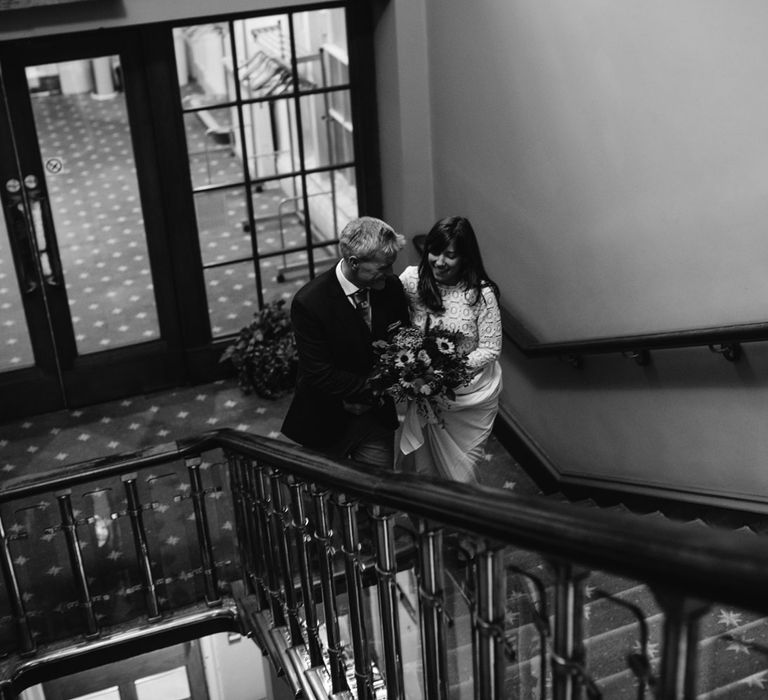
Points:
(129, 370)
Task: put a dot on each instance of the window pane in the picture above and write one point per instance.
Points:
(204, 64)
(222, 222)
(327, 128)
(214, 148)
(332, 203)
(170, 685)
(321, 47)
(270, 133)
(15, 346)
(112, 693)
(284, 275)
(264, 56)
(232, 297)
(95, 204)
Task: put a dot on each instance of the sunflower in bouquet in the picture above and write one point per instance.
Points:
(424, 366)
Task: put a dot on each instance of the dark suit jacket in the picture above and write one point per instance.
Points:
(336, 357)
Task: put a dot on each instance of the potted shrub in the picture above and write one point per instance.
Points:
(264, 353)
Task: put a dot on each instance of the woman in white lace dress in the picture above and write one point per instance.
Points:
(451, 288)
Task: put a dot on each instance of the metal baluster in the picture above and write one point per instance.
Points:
(386, 570)
(69, 527)
(351, 551)
(142, 548)
(269, 544)
(212, 597)
(679, 653)
(303, 540)
(26, 641)
(323, 535)
(258, 535)
(243, 529)
(489, 623)
(433, 642)
(568, 641)
(279, 525)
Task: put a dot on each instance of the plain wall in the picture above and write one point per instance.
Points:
(613, 159)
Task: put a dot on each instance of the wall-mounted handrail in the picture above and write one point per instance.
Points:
(723, 340)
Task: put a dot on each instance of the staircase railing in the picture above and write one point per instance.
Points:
(362, 583)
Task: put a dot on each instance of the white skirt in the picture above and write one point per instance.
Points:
(452, 447)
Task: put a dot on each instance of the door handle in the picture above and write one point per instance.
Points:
(41, 225)
(15, 215)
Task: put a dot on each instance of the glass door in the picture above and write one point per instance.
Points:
(86, 302)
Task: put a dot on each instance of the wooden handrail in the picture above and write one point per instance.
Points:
(722, 566)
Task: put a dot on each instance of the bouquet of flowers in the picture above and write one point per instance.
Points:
(421, 366)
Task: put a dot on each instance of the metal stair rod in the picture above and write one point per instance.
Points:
(280, 527)
(242, 529)
(269, 545)
(489, 622)
(303, 540)
(258, 546)
(69, 527)
(18, 613)
(568, 637)
(679, 653)
(358, 631)
(212, 597)
(386, 570)
(325, 559)
(244, 539)
(433, 642)
(142, 547)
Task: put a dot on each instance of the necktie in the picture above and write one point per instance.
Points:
(363, 306)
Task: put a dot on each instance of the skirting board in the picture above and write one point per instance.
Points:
(550, 478)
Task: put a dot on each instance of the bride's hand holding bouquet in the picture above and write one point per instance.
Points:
(423, 367)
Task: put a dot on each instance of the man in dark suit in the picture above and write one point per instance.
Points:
(336, 317)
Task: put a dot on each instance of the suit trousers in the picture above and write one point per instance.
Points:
(366, 440)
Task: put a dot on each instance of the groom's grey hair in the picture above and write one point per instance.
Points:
(367, 236)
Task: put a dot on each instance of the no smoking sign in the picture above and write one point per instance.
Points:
(54, 165)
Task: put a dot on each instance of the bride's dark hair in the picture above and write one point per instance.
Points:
(472, 274)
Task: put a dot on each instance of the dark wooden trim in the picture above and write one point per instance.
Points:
(362, 77)
(721, 510)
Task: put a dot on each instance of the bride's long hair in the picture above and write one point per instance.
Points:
(472, 274)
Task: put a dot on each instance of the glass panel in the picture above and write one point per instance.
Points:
(213, 144)
(109, 555)
(232, 297)
(222, 222)
(321, 48)
(270, 129)
(332, 203)
(283, 275)
(170, 685)
(204, 64)
(15, 346)
(327, 126)
(264, 56)
(733, 653)
(85, 144)
(612, 604)
(279, 211)
(112, 693)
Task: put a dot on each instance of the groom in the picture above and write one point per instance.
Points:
(336, 317)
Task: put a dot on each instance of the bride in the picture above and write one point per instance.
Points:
(450, 288)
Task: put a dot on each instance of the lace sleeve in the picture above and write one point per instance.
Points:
(488, 332)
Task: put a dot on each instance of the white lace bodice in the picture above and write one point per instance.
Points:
(480, 323)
